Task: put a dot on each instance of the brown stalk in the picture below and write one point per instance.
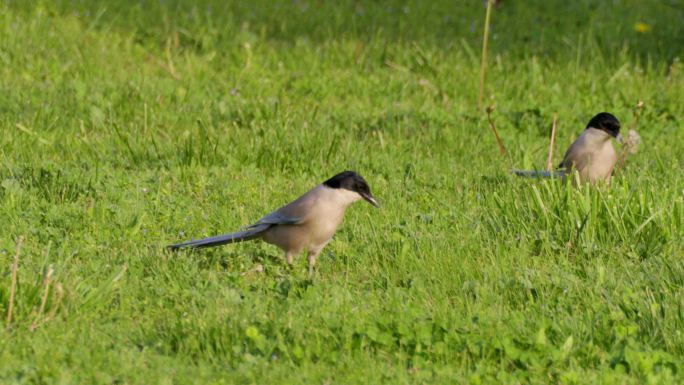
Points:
(627, 145)
(552, 144)
(43, 300)
(483, 64)
(15, 267)
(169, 62)
(502, 148)
(57, 299)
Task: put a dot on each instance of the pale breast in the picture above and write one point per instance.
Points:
(601, 164)
(325, 224)
(592, 155)
(322, 211)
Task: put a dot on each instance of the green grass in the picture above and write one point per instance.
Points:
(129, 125)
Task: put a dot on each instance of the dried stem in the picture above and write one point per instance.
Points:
(258, 268)
(552, 144)
(15, 267)
(43, 300)
(57, 300)
(627, 145)
(169, 61)
(483, 64)
(502, 148)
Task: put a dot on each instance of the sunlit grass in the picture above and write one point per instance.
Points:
(131, 125)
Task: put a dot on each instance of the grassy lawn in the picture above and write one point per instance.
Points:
(130, 125)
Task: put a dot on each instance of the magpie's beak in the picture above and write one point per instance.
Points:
(618, 137)
(371, 199)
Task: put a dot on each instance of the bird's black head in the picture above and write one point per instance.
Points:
(606, 122)
(350, 180)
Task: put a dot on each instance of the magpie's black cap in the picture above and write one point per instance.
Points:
(350, 180)
(605, 122)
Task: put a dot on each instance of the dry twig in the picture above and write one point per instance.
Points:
(502, 148)
(552, 144)
(483, 64)
(15, 267)
(631, 142)
(43, 300)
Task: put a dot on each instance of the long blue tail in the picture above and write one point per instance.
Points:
(539, 173)
(240, 236)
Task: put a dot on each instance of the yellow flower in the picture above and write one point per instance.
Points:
(641, 27)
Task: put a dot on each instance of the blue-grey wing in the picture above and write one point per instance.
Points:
(539, 173)
(277, 218)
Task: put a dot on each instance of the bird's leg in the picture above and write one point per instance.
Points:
(289, 257)
(312, 261)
